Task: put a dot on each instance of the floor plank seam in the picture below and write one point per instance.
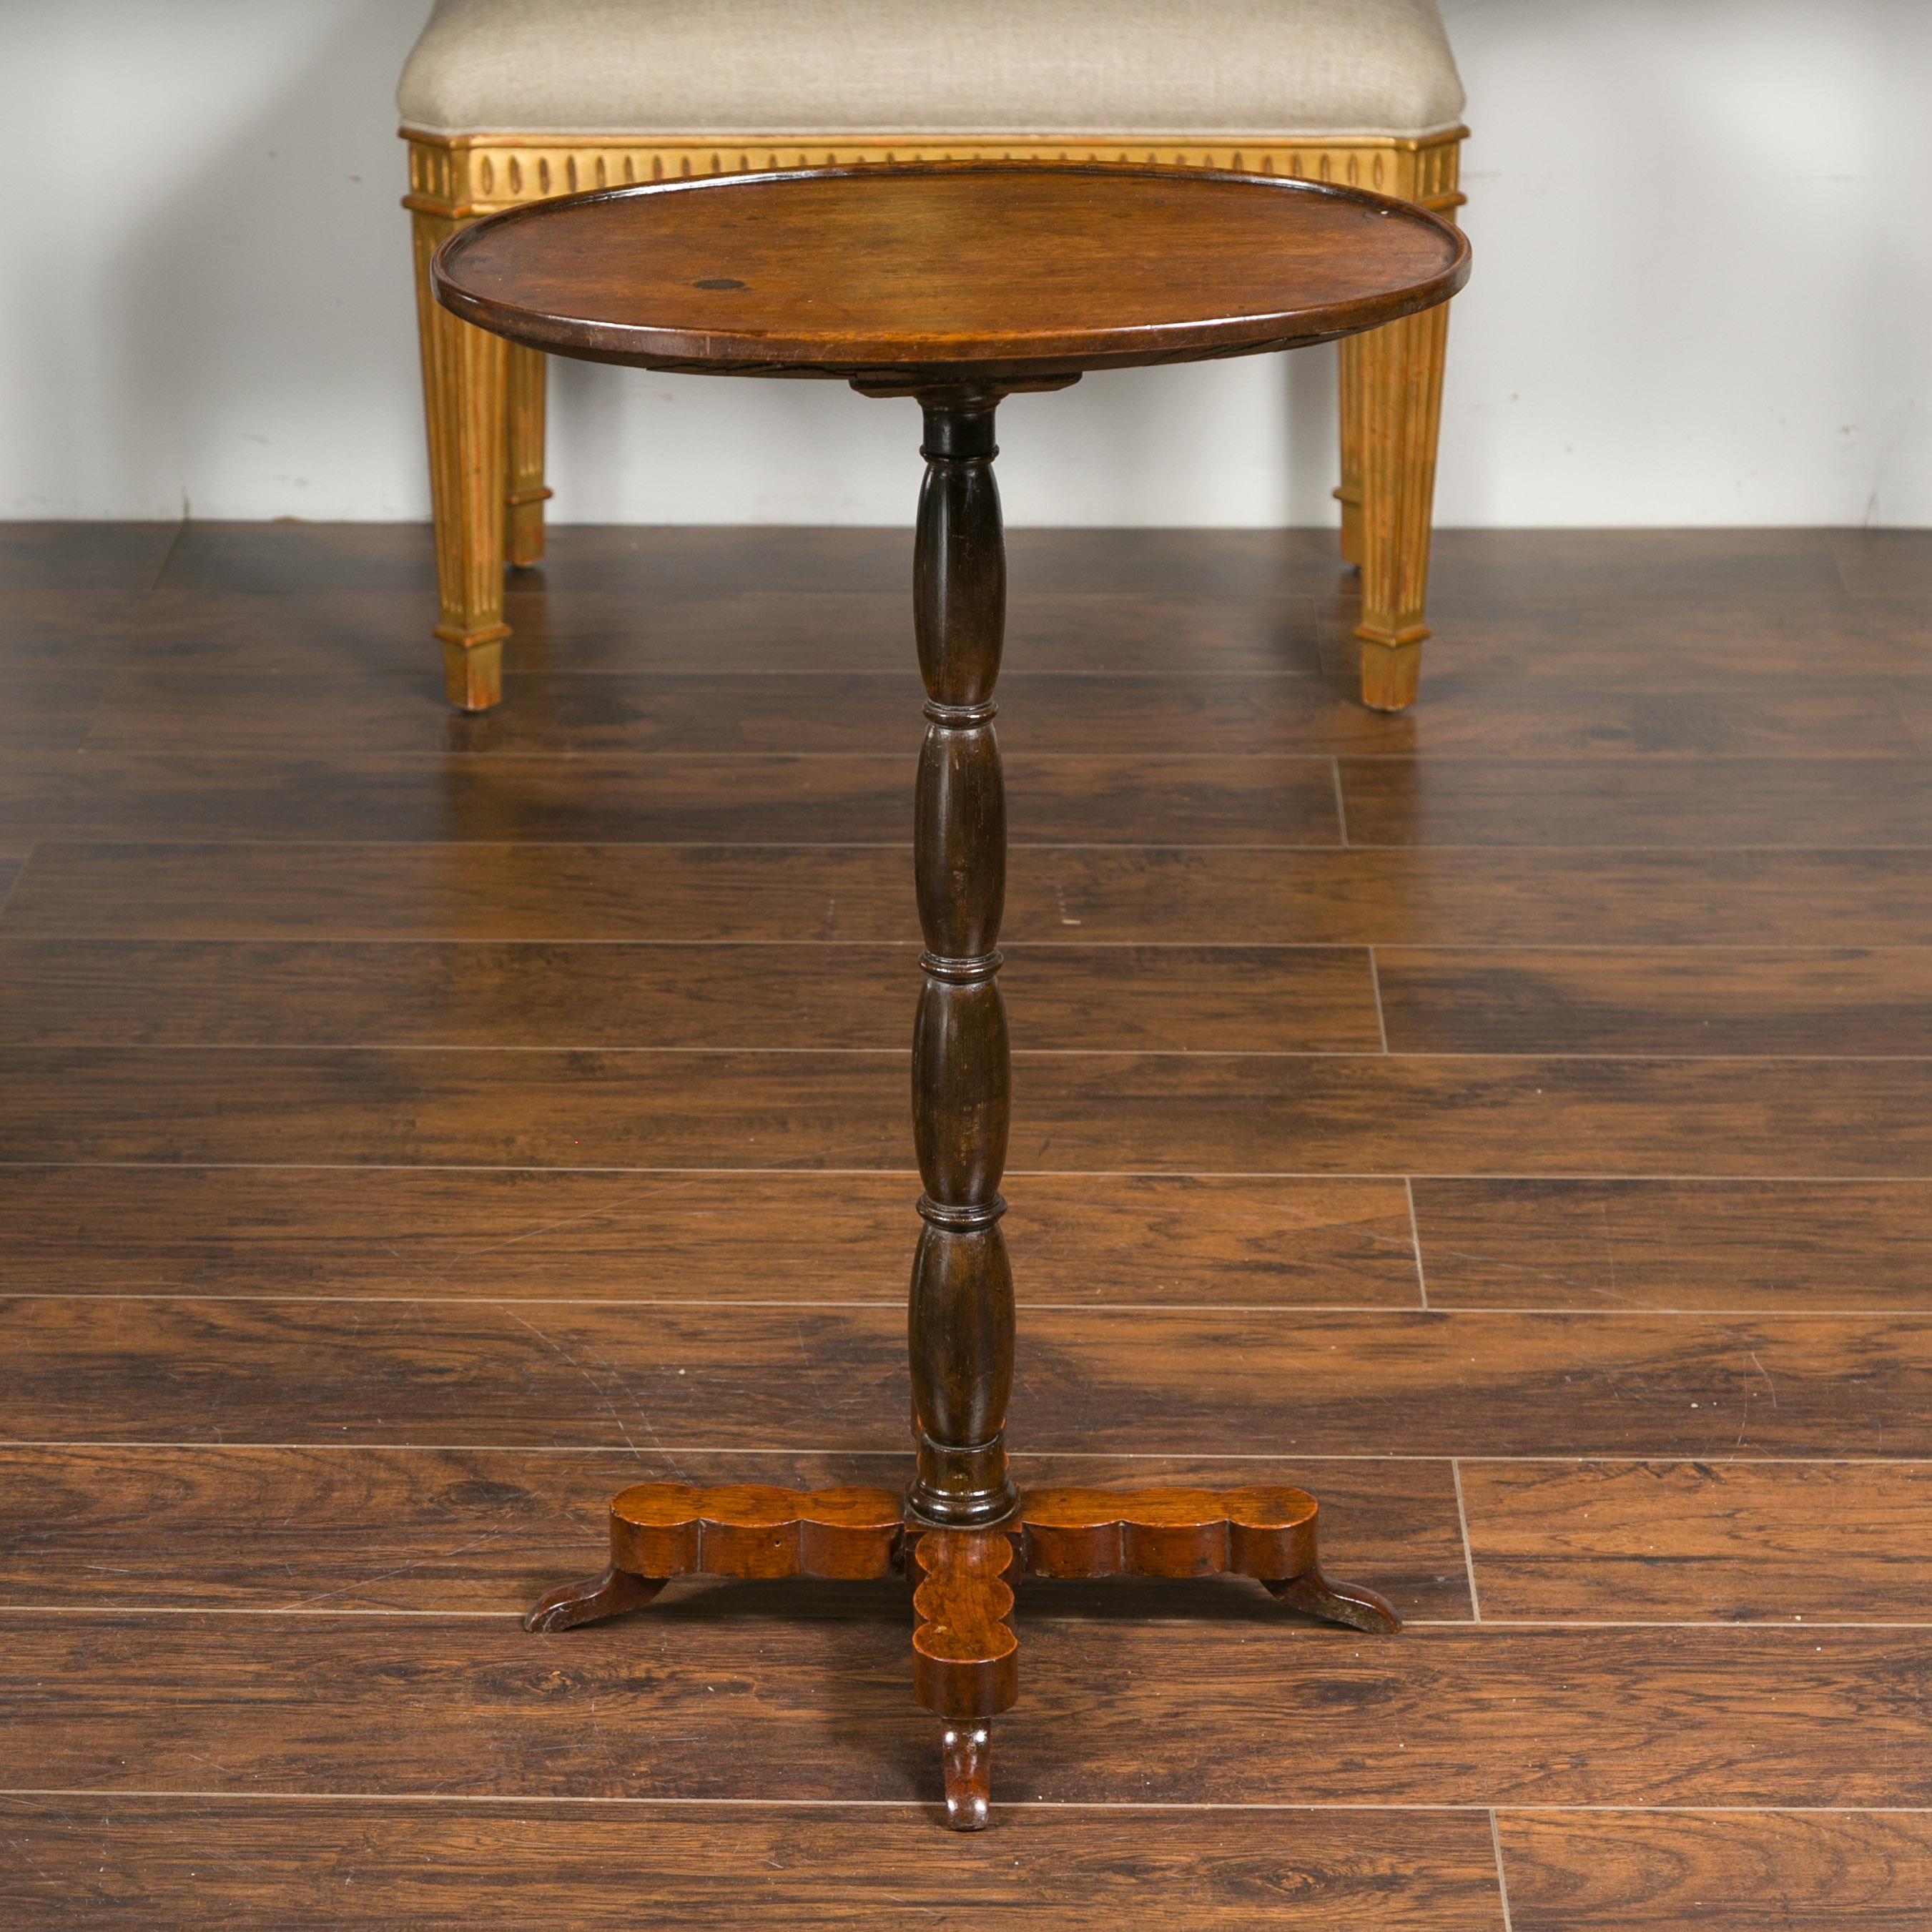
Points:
(168, 556)
(176, 1445)
(1415, 1240)
(1717, 1317)
(820, 1173)
(1799, 1626)
(1471, 1808)
(608, 1051)
(1468, 1550)
(1495, 850)
(134, 937)
(1502, 1880)
(57, 841)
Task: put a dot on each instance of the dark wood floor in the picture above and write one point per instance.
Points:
(1511, 1120)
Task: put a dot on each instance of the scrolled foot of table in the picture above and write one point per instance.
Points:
(966, 1747)
(589, 1602)
(1334, 1602)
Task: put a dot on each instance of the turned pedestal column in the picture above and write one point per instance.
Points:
(960, 1326)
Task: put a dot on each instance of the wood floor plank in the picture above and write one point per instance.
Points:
(1914, 708)
(83, 556)
(1184, 1114)
(1083, 1239)
(1643, 574)
(247, 1706)
(1139, 561)
(1305, 628)
(1177, 611)
(288, 558)
(1187, 602)
(164, 641)
(226, 993)
(44, 709)
(718, 628)
(1659, 1871)
(666, 560)
(524, 1374)
(1660, 599)
(1550, 635)
(244, 710)
(1646, 569)
(1876, 802)
(1787, 1245)
(1900, 624)
(138, 1862)
(1085, 895)
(1727, 1541)
(1646, 573)
(1619, 999)
(1665, 713)
(1883, 562)
(337, 1528)
(1124, 800)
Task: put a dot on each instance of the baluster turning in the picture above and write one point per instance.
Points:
(961, 1317)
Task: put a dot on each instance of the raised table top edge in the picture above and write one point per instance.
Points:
(1015, 357)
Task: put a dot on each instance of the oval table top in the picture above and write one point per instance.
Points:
(997, 272)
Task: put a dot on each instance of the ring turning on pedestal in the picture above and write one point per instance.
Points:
(960, 1321)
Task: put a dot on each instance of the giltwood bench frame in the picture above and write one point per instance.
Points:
(484, 396)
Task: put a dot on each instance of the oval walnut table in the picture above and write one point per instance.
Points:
(956, 285)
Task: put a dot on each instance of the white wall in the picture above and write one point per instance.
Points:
(1703, 278)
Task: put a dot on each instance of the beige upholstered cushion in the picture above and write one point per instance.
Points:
(1193, 68)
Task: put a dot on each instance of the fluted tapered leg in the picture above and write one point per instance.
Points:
(960, 1322)
(465, 394)
(1399, 372)
(524, 494)
(1349, 495)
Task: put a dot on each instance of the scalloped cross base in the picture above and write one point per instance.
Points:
(965, 1653)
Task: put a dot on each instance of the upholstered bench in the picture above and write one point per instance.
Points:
(506, 101)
